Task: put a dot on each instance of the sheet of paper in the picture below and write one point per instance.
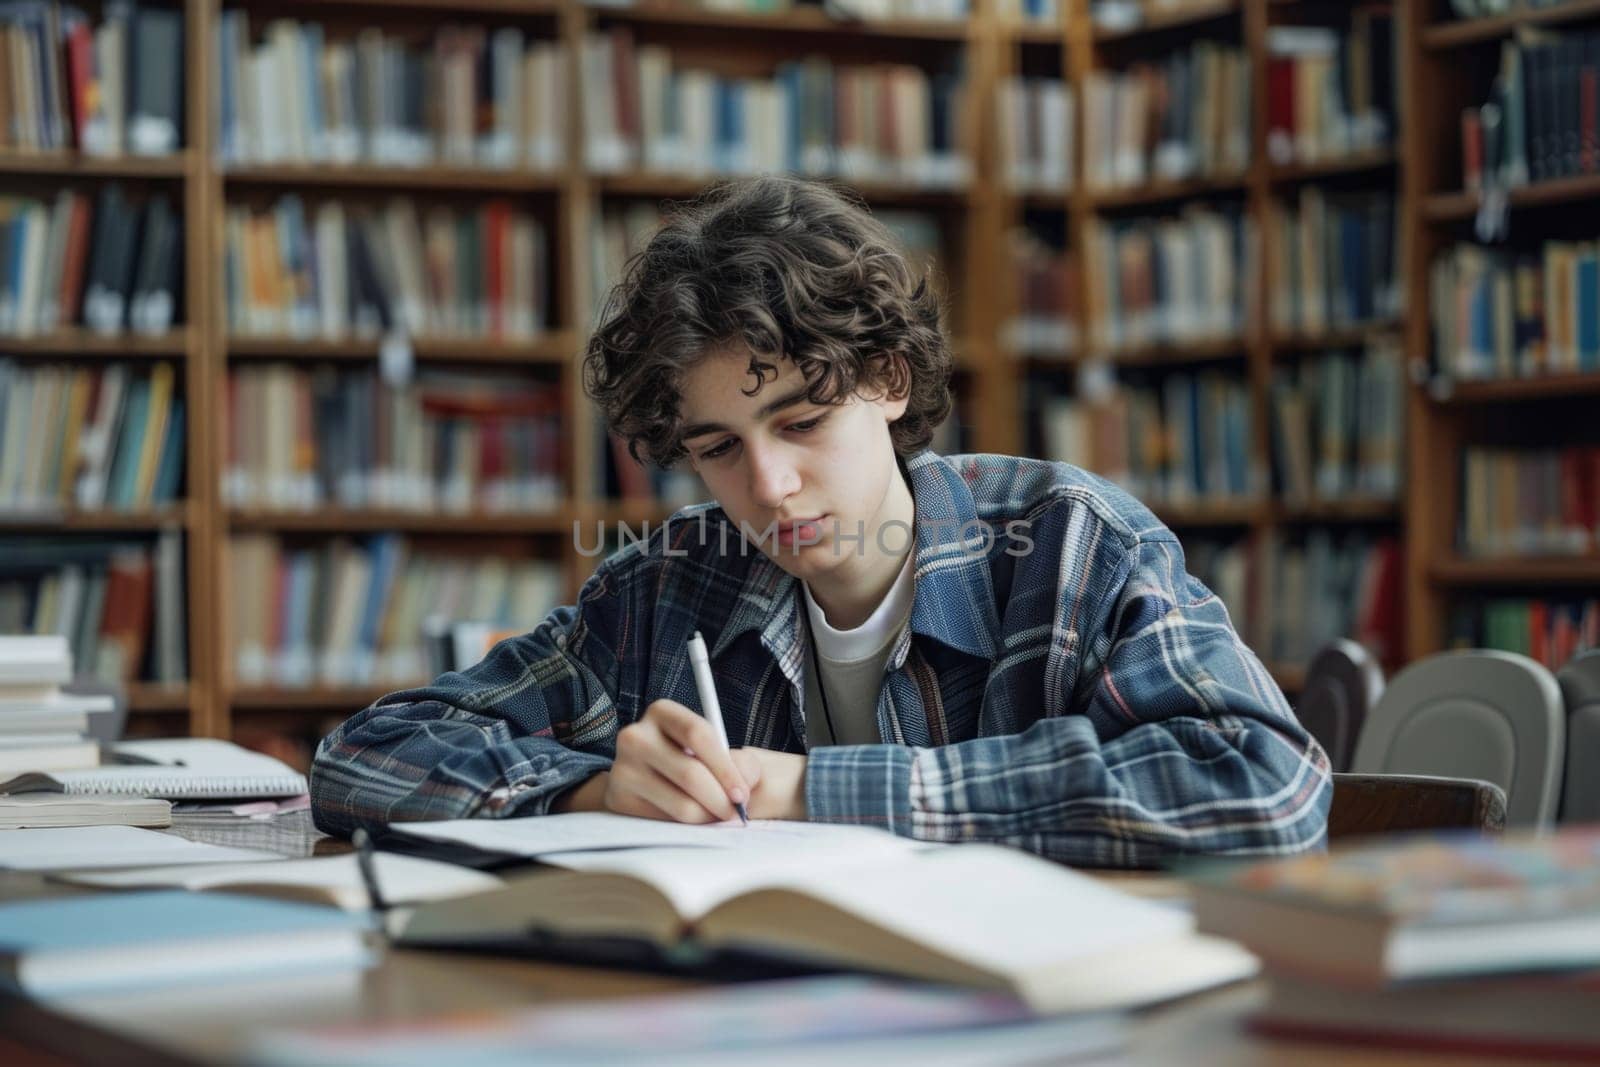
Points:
(402, 879)
(547, 835)
(77, 848)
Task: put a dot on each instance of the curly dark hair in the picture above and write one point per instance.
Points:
(786, 268)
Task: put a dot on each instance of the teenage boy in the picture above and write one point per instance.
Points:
(971, 648)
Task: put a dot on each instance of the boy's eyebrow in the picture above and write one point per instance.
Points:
(788, 400)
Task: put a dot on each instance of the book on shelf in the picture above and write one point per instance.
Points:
(1516, 313)
(1420, 908)
(643, 109)
(1170, 280)
(112, 266)
(118, 603)
(1338, 425)
(1331, 91)
(1045, 322)
(889, 10)
(1028, 12)
(1185, 115)
(355, 272)
(301, 439)
(912, 913)
(83, 945)
(1035, 124)
(352, 613)
(464, 96)
(1337, 263)
(1521, 502)
(105, 86)
(1549, 630)
(1325, 585)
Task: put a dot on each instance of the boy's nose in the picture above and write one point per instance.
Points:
(773, 479)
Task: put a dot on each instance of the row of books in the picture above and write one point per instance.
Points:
(111, 265)
(1551, 631)
(1046, 282)
(89, 437)
(465, 96)
(1530, 501)
(1170, 280)
(107, 88)
(1033, 11)
(1338, 424)
(1036, 127)
(1336, 259)
(1540, 121)
(1290, 598)
(1331, 93)
(1183, 440)
(1185, 117)
(434, 271)
(1507, 314)
(353, 613)
(119, 603)
(882, 122)
(304, 439)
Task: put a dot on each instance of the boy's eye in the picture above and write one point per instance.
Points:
(808, 425)
(717, 449)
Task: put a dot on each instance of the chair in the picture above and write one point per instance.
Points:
(1495, 716)
(1395, 803)
(1342, 684)
(1580, 688)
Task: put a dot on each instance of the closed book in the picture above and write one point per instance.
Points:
(1416, 909)
(46, 810)
(101, 944)
(177, 768)
(27, 661)
(64, 757)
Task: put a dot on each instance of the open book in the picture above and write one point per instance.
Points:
(975, 915)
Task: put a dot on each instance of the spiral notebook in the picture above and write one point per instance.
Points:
(184, 768)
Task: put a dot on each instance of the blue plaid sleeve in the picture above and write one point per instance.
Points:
(504, 737)
(1178, 741)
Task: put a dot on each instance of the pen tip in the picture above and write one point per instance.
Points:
(743, 817)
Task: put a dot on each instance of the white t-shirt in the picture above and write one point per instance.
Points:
(852, 664)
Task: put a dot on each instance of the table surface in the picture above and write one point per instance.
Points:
(214, 1024)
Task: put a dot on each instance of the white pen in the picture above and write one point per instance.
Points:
(709, 706)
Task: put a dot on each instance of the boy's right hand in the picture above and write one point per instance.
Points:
(668, 766)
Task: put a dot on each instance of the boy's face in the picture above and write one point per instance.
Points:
(807, 470)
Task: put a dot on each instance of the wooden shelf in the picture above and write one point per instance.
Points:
(1351, 509)
(338, 520)
(80, 342)
(1517, 571)
(1176, 353)
(146, 697)
(682, 187)
(1291, 678)
(1462, 205)
(1180, 17)
(1349, 337)
(1355, 163)
(556, 348)
(392, 176)
(1020, 32)
(807, 20)
(1042, 200)
(512, 8)
(350, 699)
(77, 165)
(1166, 192)
(1454, 33)
(133, 520)
(1223, 513)
(1498, 390)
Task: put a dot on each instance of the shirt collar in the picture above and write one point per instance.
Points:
(954, 598)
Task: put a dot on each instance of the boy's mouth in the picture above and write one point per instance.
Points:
(802, 531)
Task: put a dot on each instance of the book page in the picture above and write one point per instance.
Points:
(545, 835)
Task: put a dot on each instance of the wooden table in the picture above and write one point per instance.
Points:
(214, 1024)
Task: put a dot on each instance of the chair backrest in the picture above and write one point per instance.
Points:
(1580, 688)
(1343, 683)
(1395, 803)
(1491, 715)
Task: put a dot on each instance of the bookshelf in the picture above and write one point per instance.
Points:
(976, 218)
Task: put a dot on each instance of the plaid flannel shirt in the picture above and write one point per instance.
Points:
(1064, 686)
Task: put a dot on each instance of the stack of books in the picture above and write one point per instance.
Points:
(42, 728)
(1458, 942)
